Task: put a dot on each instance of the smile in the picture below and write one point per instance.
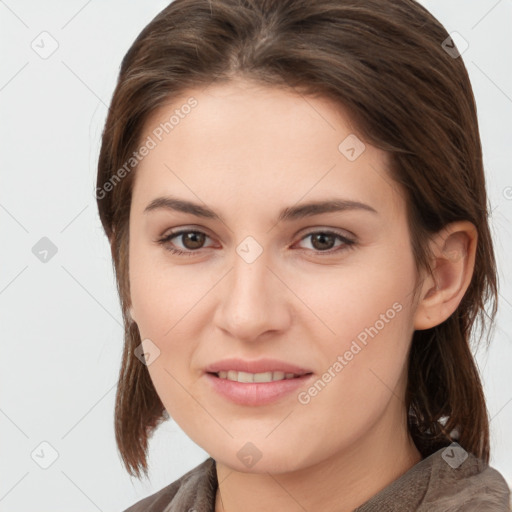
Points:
(237, 376)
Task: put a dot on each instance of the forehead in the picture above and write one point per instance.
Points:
(256, 142)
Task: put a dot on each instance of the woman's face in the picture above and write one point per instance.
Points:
(269, 284)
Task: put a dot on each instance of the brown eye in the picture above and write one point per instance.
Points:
(189, 240)
(192, 239)
(322, 241)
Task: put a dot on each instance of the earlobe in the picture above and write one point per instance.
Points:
(453, 250)
(131, 314)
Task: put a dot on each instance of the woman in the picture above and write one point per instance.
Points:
(295, 200)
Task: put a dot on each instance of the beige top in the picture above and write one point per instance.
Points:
(432, 485)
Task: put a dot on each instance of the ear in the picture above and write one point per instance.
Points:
(454, 249)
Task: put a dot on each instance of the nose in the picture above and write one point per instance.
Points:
(254, 301)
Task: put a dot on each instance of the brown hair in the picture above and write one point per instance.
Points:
(385, 61)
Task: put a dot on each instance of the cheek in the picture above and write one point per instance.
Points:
(161, 295)
(363, 301)
(169, 306)
(368, 326)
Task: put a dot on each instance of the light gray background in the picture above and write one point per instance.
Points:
(61, 328)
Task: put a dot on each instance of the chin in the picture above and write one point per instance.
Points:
(262, 457)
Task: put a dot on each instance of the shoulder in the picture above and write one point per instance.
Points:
(449, 480)
(462, 482)
(194, 490)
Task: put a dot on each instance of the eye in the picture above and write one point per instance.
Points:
(191, 239)
(323, 242)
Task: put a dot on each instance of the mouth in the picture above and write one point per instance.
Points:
(256, 383)
(246, 377)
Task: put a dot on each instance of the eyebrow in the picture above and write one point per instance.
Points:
(287, 214)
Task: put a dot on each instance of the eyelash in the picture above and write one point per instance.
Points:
(347, 243)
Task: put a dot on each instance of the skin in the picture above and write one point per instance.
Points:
(247, 152)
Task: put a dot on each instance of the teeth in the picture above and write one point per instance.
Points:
(255, 377)
(261, 377)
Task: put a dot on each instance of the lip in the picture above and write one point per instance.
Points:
(256, 393)
(256, 366)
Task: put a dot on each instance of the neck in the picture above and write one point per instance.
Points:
(340, 483)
